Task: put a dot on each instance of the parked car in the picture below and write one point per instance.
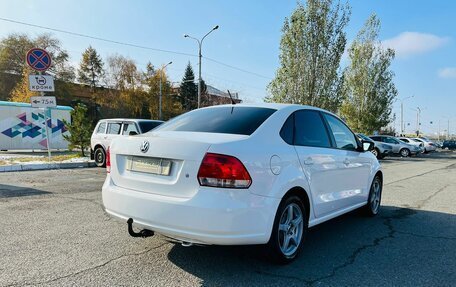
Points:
(399, 147)
(449, 144)
(413, 142)
(240, 174)
(428, 145)
(108, 129)
(380, 150)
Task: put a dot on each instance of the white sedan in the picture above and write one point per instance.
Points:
(242, 174)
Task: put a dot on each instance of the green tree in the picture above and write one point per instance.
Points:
(189, 90)
(368, 81)
(80, 129)
(127, 81)
(171, 106)
(21, 92)
(90, 69)
(311, 48)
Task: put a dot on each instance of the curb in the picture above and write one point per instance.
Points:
(41, 166)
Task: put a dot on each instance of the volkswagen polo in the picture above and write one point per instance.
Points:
(242, 174)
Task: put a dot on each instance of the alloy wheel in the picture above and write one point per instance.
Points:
(375, 196)
(291, 229)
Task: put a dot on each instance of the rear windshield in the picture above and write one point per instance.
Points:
(147, 126)
(226, 120)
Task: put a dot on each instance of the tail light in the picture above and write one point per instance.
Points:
(108, 161)
(218, 170)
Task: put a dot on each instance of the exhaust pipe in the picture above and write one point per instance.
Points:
(143, 233)
(186, 244)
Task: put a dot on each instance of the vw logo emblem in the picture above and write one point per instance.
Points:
(145, 146)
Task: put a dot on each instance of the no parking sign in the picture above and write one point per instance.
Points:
(38, 59)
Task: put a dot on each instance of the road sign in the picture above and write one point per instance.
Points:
(43, 102)
(41, 83)
(38, 59)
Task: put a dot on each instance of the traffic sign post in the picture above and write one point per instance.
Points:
(40, 60)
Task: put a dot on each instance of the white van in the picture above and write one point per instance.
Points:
(108, 129)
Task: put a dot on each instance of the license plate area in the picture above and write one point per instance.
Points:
(152, 165)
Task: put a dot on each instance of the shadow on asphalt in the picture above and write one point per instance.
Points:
(329, 248)
(10, 191)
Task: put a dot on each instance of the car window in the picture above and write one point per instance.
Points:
(227, 120)
(101, 128)
(148, 125)
(114, 128)
(130, 127)
(390, 140)
(377, 139)
(287, 131)
(345, 139)
(310, 129)
(405, 140)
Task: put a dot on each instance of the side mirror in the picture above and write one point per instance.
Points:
(367, 145)
(132, 133)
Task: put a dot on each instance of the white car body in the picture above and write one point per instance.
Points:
(335, 181)
(428, 145)
(107, 130)
(413, 142)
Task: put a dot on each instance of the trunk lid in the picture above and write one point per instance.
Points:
(181, 152)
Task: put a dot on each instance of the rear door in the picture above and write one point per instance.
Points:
(318, 160)
(394, 143)
(113, 131)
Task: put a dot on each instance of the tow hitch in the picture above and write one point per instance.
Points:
(143, 233)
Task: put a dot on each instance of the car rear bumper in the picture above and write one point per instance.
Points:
(212, 216)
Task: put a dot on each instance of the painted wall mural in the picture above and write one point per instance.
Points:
(24, 128)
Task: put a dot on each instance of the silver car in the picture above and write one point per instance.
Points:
(380, 149)
(399, 147)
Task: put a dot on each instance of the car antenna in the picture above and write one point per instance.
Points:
(232, 101)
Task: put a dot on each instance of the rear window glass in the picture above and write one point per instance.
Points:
(114, 128)
(101, 128)
(147, 126)
(226, 120)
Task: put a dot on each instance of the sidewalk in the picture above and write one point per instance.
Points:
(27, 160)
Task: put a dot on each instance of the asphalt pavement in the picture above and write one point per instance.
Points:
(54, 232)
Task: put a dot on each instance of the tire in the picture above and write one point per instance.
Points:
(405, 152)
(285, 230)
(100, 157)
(372, 207)
(376, 152)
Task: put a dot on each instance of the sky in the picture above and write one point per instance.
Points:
(423, 33)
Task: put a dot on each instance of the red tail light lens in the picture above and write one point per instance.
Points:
(218, 170)
(108, 161)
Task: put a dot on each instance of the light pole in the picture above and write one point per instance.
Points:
(418, 114)
(200, 43)
(160, 98)
(402, 113)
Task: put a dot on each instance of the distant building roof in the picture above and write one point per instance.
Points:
(216, 92)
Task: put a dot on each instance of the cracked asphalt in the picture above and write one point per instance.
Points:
(54, 232)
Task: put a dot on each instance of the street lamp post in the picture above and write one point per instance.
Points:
(200, 43)
(160, 98)
(402, 113)
(418, 114)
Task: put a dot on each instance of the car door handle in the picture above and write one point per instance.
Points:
(346, 161)
(308, 161)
